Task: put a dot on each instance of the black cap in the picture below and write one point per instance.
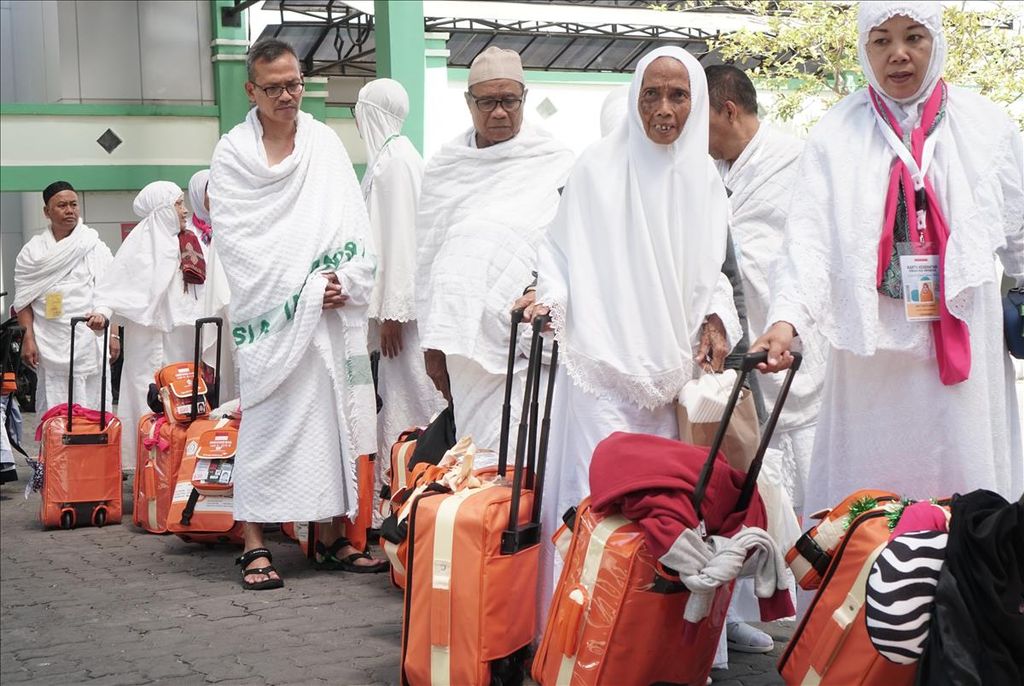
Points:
(55, 188)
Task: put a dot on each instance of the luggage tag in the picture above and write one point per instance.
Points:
(54, 305)
(919, 271)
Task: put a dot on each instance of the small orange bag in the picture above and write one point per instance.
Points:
(177, 384)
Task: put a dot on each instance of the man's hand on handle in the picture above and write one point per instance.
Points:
(96, 321)
(778, 341)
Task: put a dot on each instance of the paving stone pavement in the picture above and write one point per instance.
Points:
(116, 606)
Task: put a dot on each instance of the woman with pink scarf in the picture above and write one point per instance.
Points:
(909, 190)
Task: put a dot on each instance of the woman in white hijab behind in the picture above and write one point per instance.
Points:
(391, 188)
(921, 408)
(144, 290)
(631, 272)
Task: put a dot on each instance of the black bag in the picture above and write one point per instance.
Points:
(435, 440)
(1013, 322)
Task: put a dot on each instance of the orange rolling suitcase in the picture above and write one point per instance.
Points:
(80, 453)
(162, 443)
(616, 616)
(202, 506)
(470, 599)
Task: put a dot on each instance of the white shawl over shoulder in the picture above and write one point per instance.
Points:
(44, 261)
(482, 214)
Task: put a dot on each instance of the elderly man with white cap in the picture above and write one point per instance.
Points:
(487, 197)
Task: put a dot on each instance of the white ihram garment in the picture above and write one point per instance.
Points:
(70, 268)
(391, 189)
(306, 389)
(631, 266)
(482, 214)
(887, 421)
(761, 181)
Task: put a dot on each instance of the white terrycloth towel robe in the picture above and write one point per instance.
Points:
(70, 267)
(144, 290)
(391, 188)
(306, 390)
(884, 410)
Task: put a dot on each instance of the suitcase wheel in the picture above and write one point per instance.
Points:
(67, 519)
(99, 516)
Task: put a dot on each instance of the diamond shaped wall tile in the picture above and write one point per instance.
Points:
(109, 141)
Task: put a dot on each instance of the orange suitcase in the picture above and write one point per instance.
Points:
(616, 616)
(161, 444)
(470, 599)
(81, 459)
(202, 506)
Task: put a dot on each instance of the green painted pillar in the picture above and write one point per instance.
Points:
(401, 49)
(228, 48)
(314, 97)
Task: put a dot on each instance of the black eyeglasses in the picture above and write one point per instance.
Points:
(489, 104)
(276, 91)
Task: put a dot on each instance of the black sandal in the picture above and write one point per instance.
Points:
(246, 558)
(329, 560)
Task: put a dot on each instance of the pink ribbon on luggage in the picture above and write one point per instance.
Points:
(76, 410)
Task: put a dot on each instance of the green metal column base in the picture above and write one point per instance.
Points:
(229, 76)
(401, 49)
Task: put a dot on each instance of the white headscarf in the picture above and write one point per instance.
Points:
(381, 109)
(197, 194)
(635, 252)
(613, 109)
(136, 285)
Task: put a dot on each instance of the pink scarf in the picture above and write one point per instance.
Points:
(952, 338)
(76, 411)
(205, 230)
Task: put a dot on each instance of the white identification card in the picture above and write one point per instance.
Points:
(920, 287)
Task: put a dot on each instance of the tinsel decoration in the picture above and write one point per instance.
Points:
(859, 507)
(894, 510)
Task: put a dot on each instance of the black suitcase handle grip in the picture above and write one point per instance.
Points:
(750, 362)
(215, 391)
(75, 321)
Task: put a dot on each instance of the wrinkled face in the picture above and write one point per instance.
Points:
(504, 121)
(280, 73)
(179, 207)
(664, 100)
(899, 51)
(62, 210)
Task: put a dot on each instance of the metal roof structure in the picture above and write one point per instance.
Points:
(334, 38)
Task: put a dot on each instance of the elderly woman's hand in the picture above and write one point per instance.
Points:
(714, 346)
(524, 301)
(777, 341)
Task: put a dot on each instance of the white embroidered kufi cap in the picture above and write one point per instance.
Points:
(496, 63)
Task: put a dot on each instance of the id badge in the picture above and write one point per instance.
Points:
(54, 305)
(920, 287)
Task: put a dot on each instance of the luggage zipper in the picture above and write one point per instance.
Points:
(824, 582)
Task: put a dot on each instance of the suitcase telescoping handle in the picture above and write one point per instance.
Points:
(103, 378)
(506, 407)
(516, 537)
(750, 362)
(200, 323)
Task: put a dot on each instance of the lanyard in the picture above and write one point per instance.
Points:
(917, 172)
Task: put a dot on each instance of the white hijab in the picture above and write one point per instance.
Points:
(829, 274)
(613, 109)
(197, 194)
(136, 285)
(381, 109)
(635, 252)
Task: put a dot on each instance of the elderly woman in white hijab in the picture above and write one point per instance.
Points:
(216, 292)
(909, 190)
(144, 289)
(391, 189)
(631, 272)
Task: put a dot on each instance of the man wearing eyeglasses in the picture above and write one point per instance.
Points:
(487, 196)
(293, 235)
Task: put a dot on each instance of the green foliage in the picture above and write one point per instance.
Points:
(809, 50)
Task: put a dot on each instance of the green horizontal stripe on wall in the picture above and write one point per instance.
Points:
(335, 112)
(535, 76)
(72, 109)
(105, 177)
(110, 177)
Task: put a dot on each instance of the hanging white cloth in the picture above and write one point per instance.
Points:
(482, 214)
(632, 263)
(391, 189)
(942, 439)
(305, 382)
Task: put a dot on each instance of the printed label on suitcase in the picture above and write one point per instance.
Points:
(212, 471)
(206, 503)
